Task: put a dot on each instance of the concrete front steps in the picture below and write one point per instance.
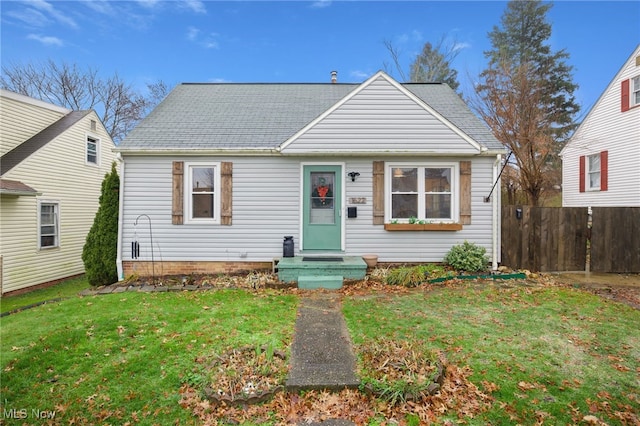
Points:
(312, 272)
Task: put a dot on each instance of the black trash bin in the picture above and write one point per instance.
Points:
(287, 246)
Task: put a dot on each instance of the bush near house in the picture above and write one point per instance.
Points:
(467, 257)
(100, 249)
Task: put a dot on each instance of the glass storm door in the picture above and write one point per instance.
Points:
(321, 208)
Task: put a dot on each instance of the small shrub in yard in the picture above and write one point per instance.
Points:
(467, 257)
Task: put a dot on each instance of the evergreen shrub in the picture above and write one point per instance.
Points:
(100, 249)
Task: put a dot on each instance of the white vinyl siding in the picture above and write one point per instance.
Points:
(58, 172)
(381, 119)
(23, 117)
(606, 128)
(266, 207)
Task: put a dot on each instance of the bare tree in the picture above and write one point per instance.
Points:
(118, 104)
(432, 64)
(512, 106)
(526, 95)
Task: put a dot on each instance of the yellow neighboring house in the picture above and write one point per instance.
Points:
(53, 161)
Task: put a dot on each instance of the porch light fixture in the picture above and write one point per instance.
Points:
(353, 175)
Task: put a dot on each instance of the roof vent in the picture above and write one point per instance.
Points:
(334, 76)
(93, 125)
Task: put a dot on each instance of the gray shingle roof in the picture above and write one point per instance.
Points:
(241, 116)
(40, 139)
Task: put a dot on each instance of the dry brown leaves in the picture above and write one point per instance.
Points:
(456, 395)
(243, 374)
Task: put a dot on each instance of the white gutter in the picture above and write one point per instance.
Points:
(120, 220)
(495, 219)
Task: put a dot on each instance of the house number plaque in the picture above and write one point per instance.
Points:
(358, 200)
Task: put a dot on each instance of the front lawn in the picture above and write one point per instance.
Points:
(515, 353)
(122, 358)
(544, 354)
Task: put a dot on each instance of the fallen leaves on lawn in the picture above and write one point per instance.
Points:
(247, 374)
(402, 361)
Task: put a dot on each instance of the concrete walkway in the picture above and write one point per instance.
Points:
(321, 353)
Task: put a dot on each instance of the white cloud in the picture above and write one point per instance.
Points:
(208, 41)
(101, 6)
(53, 12)
(411, 36)
(30, 17)
(360, 75)
(320, 4)
(196, 6)
(461, 45)
(149, 4)
(46, 40)
(192, 33)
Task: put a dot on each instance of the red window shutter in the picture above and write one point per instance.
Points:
(582, 172)
(604, 170)
(624, 98)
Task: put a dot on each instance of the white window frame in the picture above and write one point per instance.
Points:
(56, 223)
(91, 139)
(634, 98)
(217, 199)
(421, 166)
(590, 172)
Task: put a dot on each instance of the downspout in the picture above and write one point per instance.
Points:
(120, 219)
(495, 221)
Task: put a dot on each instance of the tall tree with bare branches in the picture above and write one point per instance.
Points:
(118, 104)
(526, 96)
(432, 64)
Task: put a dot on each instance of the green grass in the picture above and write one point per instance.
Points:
(549, 354)
(122, 358)
(68, 288)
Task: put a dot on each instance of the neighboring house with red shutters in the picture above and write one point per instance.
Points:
(52, 164)
(601, 161)
(224, 171)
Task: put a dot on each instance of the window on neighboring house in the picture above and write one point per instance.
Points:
(423, 192)
(635, 87)
(593, 172)
(48, 227)
(92, 150)
(202, 202)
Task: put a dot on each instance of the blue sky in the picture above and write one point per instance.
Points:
(298, 41)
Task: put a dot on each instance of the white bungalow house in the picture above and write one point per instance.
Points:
(52, 164)
(218, 174)
(600, 163)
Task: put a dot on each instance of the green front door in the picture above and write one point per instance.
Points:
(321, 208)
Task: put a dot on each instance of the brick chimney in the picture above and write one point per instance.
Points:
(334, 76)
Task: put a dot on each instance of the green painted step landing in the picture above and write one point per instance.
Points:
(331, 282)
(293, 269)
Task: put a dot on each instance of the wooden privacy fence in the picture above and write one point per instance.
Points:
(544, 238)
(555, 238)
(615, 239)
